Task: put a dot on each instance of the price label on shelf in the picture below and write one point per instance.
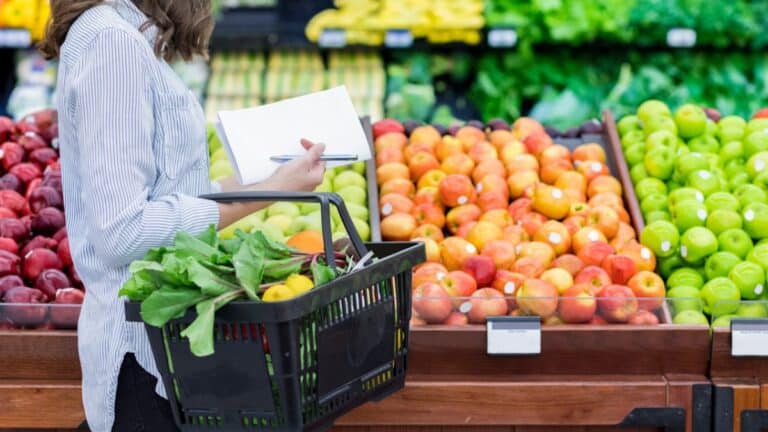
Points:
(332, 38)
(513, 335)
(749, 338)
(681, 38)
(502, 38)
(15, 38)
(399, 38)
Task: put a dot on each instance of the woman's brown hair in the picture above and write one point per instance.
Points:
(184, 25)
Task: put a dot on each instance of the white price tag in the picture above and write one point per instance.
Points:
(332, 38)
(502, 38)
(749, 338)
(401, 38)
(15, 38)
(681, 37)
(513, 335)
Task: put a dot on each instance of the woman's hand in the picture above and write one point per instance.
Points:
(300, 175)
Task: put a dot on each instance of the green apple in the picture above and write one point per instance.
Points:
(731, 150)
(657, 215)
(634, 154)
(684, 194)
(298, 224)
(734, 166)
(749, 279)
(756, 220)
(357, 211)
(761, 180)
(656, 124)
(685, 277)
(353, 194)
(722, 220)
(757, 163)
(747, 194)
(704, 144)
(712, 128)
(348, 178)
(358, 167)
(732, 121)
(720, 264)
(721, 296)
(307, 208)
(688, 214)
(738, 180)
(283, 208)
(650, 186)
(362, 229)
(755, 142)
(661, 138)
(637, 173)
(220, 169)
(325, 186)
(735, 241)
(722, 201)
(723, 321)
(632, 137)
(669, 264)
(653, 202)
(629, 123)
(752, 310)
(660, 162)
(703, 181)
(652, 108)
(281, 222)
(661, 237)
(314, 221)
(697, 243)
(730, 134)
(685, 297)
(756, 125)
(759, 255)
(690, 162)
(690, 317)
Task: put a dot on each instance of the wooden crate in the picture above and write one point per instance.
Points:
(740, 388)
(40, 388)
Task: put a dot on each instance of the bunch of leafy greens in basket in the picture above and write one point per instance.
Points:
(208, 273)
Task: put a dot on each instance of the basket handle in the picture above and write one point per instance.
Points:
(325, 200)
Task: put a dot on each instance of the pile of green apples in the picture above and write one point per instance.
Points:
(702, 184)
(283, 219)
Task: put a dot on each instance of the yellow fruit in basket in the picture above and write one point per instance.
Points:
(299, 284)
(278, 293)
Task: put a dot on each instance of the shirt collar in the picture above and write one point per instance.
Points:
(135, 17)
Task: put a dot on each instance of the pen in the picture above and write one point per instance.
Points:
(325, 158)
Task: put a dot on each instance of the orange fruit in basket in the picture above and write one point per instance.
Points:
(307, 241)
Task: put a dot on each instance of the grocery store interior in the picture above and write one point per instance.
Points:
(565, 204)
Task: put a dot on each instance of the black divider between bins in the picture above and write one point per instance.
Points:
(298, 364)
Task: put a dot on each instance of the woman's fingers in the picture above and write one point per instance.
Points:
(307, 144)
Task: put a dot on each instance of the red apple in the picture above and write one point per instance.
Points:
(649, 288)
(569, 262)
(481, 268)
(643, 317)
(595, 277)
(617, 303)
(620, 268)
(594, 253)
(577, 305)
(486, 302)
(459, 284)
(456, 319)
(431, 303)
(537, 297)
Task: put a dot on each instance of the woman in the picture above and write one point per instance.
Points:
(134, 160)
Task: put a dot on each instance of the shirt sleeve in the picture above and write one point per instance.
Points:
(115, 128)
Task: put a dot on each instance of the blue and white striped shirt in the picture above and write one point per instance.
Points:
(134, 159)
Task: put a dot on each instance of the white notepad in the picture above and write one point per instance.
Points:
(252, 136)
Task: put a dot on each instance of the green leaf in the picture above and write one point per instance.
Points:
(231, 246)
(200, 332)
(249, 268)
(138, 287)
(188, 246)
(210, 237)
(210, 283)
(278, 270)
(322, 274)
(269, 248)
(168, 303)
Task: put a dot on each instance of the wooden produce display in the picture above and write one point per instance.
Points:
(621, 377)
(40, 385)
(740, 392)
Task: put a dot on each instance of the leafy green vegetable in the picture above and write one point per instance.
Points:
(321, 274)
(168, 303)
(209, 282)
(249, 268)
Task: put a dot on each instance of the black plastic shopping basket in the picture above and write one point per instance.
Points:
(299, 364)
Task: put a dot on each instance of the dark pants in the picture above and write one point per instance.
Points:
(137, 406)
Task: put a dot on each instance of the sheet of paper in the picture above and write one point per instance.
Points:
(252, 136)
